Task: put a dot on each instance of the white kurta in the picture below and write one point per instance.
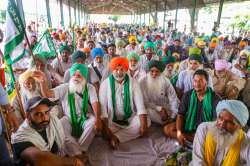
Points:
(138, 75)
(102, 69)
(144, 61)
(154, 102)
(60, 67)
(76, 146)
(124, 133)
(198, 146)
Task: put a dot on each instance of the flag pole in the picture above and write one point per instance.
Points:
(29, 46)
(19, 100)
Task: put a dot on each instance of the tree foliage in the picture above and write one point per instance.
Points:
(114, 18)
(241, 22)
(2, 16)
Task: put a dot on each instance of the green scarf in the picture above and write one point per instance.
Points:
(126, 99)
(76, 123)
(174, 79)
(190, 123)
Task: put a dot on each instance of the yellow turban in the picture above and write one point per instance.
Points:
(24, 76)
(132, 38)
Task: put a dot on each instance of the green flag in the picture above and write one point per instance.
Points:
(14, 46)
(45, 47)
(14, 37)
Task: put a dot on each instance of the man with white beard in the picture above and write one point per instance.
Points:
(223, 142)
(135, 71)
(100, 70)
(123, 112)
(79, 57)
(159, 95)
(29, 88)
(79, 101)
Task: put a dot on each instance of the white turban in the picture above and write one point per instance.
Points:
(237, 108)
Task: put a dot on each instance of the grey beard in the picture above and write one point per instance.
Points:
(223, 138)
(30, 94)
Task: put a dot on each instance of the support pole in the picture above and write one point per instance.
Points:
(70, 21)
(193, 15)
(156, 14)
(219, 13)
(149, 19)
(140, 19)
(48, 13)
(164, 17)
(176, 13)
(61, 12)
(84, 15)
(144, 15)
(75, 12)
(79, 9)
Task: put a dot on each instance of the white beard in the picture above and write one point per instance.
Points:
(75, 87)
(30, 94)
(154, 85)
(223, 138)
(133, 67)
(119, 78)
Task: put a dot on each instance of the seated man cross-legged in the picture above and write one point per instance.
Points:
(197, 106)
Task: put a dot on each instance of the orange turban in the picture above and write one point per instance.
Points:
(86, 50)
(242, 43)
(213, 44)
(119, 61)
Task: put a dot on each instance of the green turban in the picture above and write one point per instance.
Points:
(149, 44)
(194, 51)
(64, 47)
(158, 42)
(38, 58)
(195, 57)
(139, 38)
(120, 43)
(158, 64)
(79, 67)
(133, 55)
(168, 59)
(77, 54)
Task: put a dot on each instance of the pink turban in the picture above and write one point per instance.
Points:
(221, 64)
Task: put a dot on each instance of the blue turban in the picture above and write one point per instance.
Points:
(97, 52)
(236, 108)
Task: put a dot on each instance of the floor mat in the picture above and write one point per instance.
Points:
(147, 151)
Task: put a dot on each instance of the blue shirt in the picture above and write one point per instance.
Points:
(3, 101)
